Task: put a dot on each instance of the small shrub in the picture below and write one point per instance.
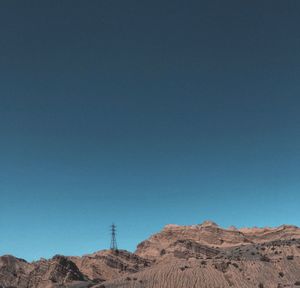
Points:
(264, 258)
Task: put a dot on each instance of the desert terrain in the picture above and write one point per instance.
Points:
(203, 255)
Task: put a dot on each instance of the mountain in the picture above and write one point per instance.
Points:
(211, 235)
(203, 255)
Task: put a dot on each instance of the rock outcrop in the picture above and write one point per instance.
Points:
(203, 255)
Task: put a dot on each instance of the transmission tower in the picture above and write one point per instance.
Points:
(113, 242)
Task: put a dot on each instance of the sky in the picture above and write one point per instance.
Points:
(145, 113)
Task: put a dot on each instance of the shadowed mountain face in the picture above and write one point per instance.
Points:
(179, 256)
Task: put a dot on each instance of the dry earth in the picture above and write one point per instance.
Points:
(204, 255)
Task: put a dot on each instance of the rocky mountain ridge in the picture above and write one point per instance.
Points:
(203, 255)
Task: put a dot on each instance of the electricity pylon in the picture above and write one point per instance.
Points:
(113, 242)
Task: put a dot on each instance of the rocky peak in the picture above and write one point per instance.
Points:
(209, 223)
(58, 270)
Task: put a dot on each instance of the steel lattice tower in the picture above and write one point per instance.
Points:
(113, 242)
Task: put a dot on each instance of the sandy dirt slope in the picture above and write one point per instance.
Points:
(204, 256)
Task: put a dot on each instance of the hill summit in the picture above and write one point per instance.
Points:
(202, 255)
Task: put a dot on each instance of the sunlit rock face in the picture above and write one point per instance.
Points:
(202, 255)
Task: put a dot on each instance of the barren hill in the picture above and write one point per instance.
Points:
(203, 255)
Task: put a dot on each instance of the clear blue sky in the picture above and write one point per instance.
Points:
(145, 113)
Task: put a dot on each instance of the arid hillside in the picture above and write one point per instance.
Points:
(203, 255)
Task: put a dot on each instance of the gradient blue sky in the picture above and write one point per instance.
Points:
(145, 113)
